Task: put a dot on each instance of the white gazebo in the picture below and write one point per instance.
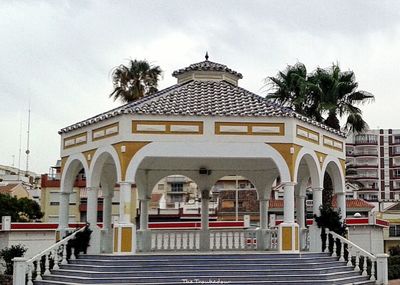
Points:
(204, 127)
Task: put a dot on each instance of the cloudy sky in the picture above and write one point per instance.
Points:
(58, 54)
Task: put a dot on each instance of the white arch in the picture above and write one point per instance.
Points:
(98, 162)
(70, 170)
(313, 166)
(207, 150)
(337, 174)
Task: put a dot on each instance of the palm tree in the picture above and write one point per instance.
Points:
(135, 81)
(325, 92)
(339, 97)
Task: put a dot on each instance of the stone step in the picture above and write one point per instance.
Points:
(197, 272)
(211, 255)
(199, 280)
(155, 261)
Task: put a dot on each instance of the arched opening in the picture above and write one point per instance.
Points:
(73, 184)
(103, 199)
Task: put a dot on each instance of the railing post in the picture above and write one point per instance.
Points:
(382, 269)
(20, 267)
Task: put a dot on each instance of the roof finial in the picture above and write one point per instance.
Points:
(206, 55)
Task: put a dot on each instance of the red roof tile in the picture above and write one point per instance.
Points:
(7, 189)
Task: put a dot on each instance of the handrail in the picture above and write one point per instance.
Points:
(353, 245)
(24, 269)
(57, 244)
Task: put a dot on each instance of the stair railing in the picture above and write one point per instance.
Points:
(338, 250)
(26, 269)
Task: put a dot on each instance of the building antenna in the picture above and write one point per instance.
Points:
(20, 145)
(27, 140)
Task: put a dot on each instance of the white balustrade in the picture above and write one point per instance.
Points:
(29, 270)
(233, 239)
(163, 240)
(357, 252)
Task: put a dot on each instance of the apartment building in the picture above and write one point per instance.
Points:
(373, 164)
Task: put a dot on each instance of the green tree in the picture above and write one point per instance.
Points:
(20, 210)
(325, 95)
(134, 81)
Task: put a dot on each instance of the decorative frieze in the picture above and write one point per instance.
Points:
(75, 140)
(307, 134)
(167, 127)
(252, 129)
(333, 143)
(105, 132)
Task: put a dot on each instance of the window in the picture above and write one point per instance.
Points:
(396, 173)
(396, 139)
(394, 231)
(176, 187)
(366, 138)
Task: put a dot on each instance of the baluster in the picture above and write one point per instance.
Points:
(357, 267)
(364, 272)
(349, 263)
(341, 251)
(242, 239)
(30, 269)
(176, 241)
(214, 239)
(372, 270)
(326, 241)
(155, 240)
(46, 265)
(73, 257)
(219, 240)
(334, 248)
(187, 240)
(38, 271)
(64, 255)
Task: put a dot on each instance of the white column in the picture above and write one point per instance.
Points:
(125, 196)
(144, 214)
(107, 222)
(300, 210)
(317, 200)
(63, 212)
(92, 205)
(288, 197)
(341, 204)
(205, 234)
(314, 231)
(205, 197)
(264, 204)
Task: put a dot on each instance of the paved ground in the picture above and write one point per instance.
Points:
(394, 282)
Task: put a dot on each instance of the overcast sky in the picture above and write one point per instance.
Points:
(58, 54)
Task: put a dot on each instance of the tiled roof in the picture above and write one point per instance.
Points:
(350, 204)
(207, 66)
(202, 98)
(7, 189)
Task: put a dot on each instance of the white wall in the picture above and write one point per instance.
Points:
(369, 238)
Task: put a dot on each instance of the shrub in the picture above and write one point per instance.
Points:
(394, 267)
(8, 253)
(395, 250)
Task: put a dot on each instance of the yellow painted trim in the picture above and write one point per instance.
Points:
(284, 150)
(331, 146)
(298, 127)
(168, 125)
(86, 155)
(105, 128)
(249, 126)
(63, 162)
(74, 137)
(343, 164)
(58, 235)
(115, 239)
(287, 238)
(131, 148)
(126, 239)
(296, 238)
(321, 155)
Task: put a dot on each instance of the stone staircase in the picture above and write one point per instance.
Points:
(215, 268)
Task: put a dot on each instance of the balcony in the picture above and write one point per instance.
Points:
(177, 179)
(366, 140)
(372, 152)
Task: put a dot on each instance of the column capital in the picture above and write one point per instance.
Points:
(340, 193)
(291, 183)
(316, 189)
(125, 183)
(92, 188)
